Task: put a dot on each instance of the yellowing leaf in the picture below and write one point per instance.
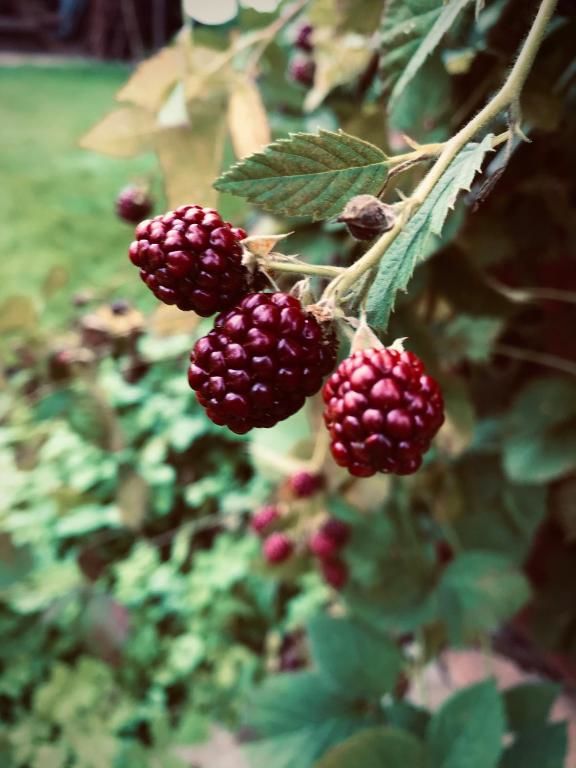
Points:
(122, 133)
(17, 313)
(247, 118)
(56, 279)
(132, 499)
(170, 321)
(207, 72)
(149, 85)
(338, 60)
(191, 159)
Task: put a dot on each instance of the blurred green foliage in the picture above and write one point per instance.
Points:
(57, 218)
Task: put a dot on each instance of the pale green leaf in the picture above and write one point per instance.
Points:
(401, 259)
(375, 748)
(308, 174)
(441, 26)
(468, 729)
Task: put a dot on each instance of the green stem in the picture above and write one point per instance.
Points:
(301, 268)
(507, 95)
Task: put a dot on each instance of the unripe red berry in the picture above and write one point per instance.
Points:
(336, 530)
(261, 361)
(277, 548)
(382, 410)
(264, 518)
(305, 484)
(134, 204)
(302, 70)
(335, 572)
(191, 258)
(330, 538)
(303, 37)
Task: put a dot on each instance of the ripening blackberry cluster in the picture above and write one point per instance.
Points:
(283, 540)
(267, 353)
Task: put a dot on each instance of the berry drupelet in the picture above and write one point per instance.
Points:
(381, 410)
(260, 362)
(191, 258)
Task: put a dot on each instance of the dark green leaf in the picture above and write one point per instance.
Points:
(442, 24)
(529, 704)
(376, 748)
(403, 714)
(540, 442)
(308, 174)
(400, 260)
(478, 590)
(405, 24)
(467, 731)
(544, 746)
(340, 648)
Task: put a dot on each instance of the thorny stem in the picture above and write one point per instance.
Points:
(505, 97)
(302, 268)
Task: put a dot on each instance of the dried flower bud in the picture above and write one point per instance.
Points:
(367, 217)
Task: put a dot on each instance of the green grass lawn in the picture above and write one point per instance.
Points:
(57, 200)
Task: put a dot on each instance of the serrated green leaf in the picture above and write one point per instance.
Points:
(540, 747)
(400, 260)
(468, 729)
(340, 648)
(375, 748)
(443, 23)
(405, 24)
(308, 174)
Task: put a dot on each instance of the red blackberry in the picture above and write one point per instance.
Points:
(134, 204)
(335, 572)
(382, 410)
(329, 539)
(277, 548)
(305, 484)
(303, 37)
(260, 362)
(264, 518)
(191, 258)
(302, 70)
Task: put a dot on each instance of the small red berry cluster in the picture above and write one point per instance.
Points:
(277, 525)
(302, 67)
(267, 353)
